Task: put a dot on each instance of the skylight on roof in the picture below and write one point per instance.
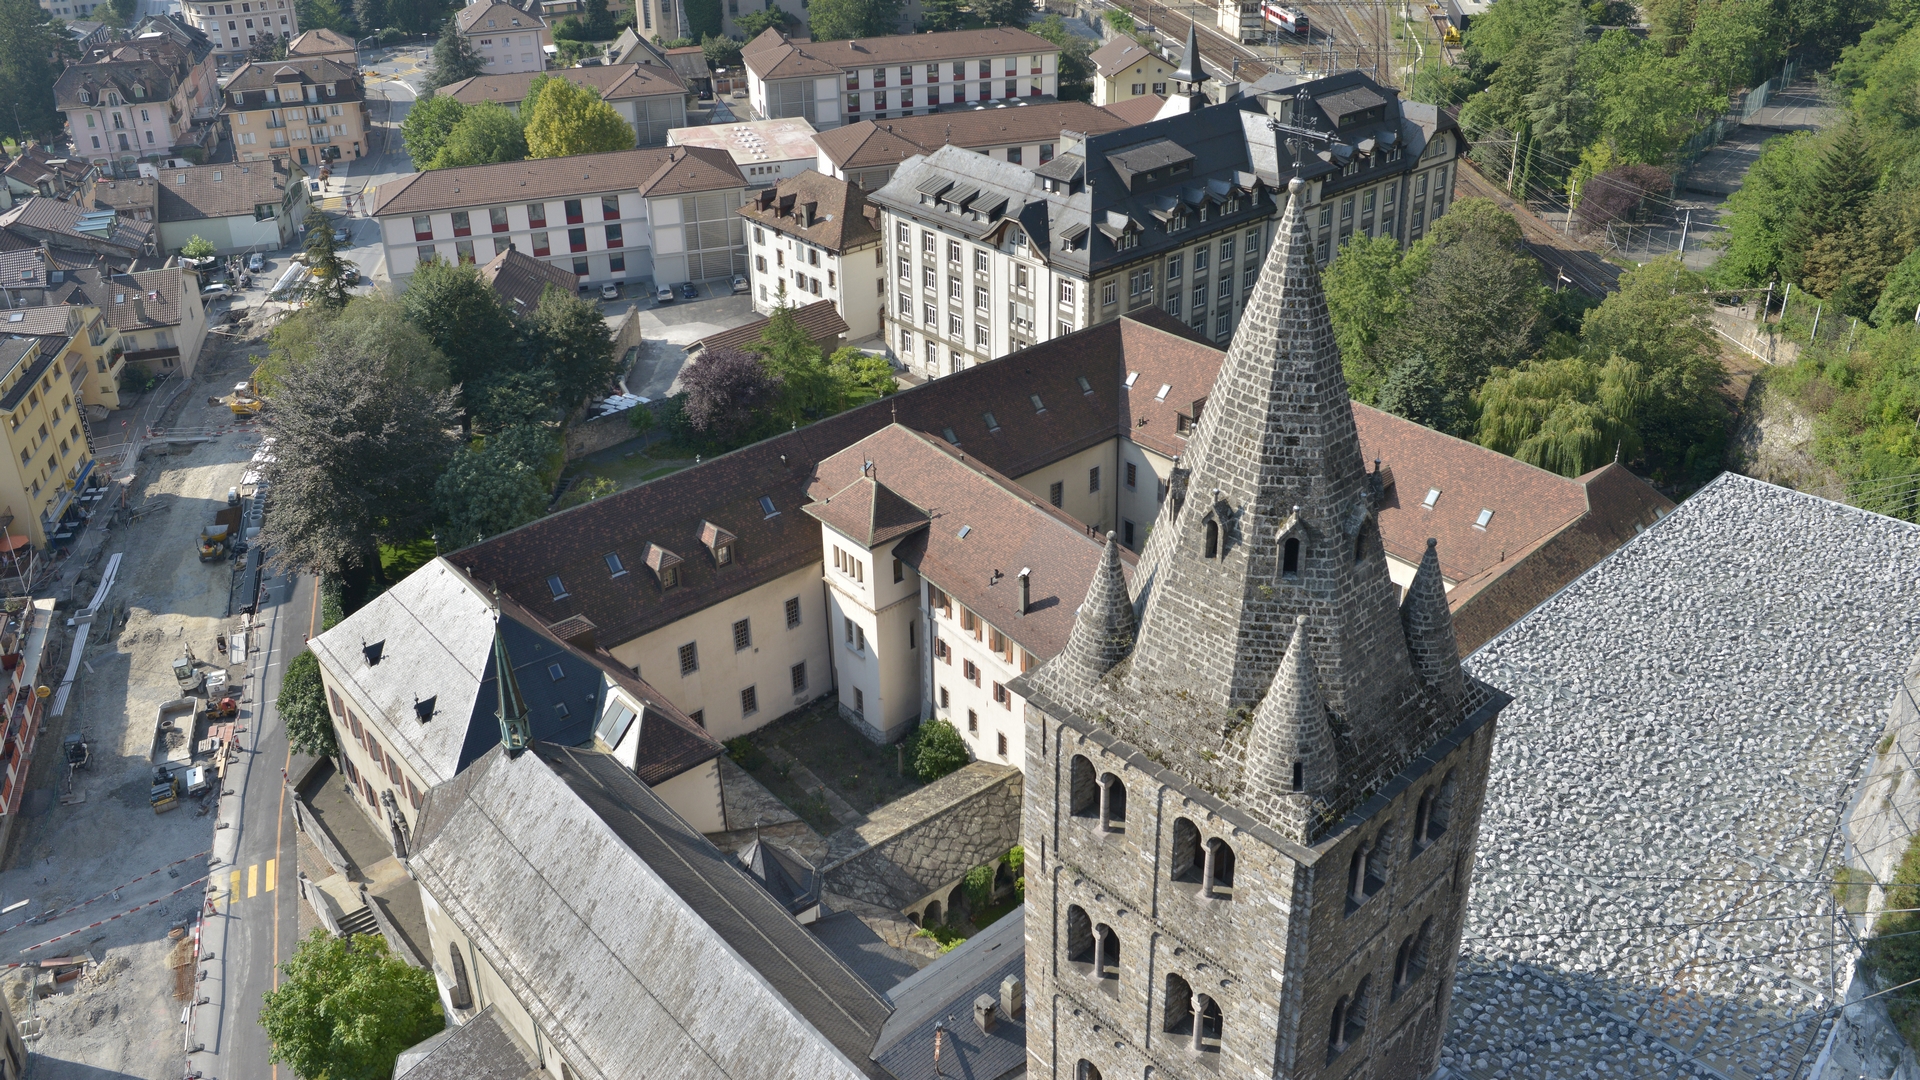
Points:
(553, 585)
(560, 710)
(1132, 377)
(556, 672)
(614, 565)
(992, 424)
(951, 437)
(1162, 395)
(1085, 386)
(18, 316)
(1433, 496)
(964, 530)
(767, 507)
(1038, 405)
(1486, 515)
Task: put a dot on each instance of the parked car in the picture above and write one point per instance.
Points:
(610, 291)
(663, 295)
(340, 235)
(350, 273)
(687, 290)
(256, 262)
(739, 283)
(217, 290)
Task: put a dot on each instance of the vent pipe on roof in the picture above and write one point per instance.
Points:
(1026, 589)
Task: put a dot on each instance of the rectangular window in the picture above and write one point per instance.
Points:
(1126, 532)
(973, 722)
(749, 701)
(574, 214)
(576, 239)
(609, 207)
(970, 672)
(799, 676)
(1002, 737)
(793, 612)
(1055, 492)
(542, 244)
(462, 224)
(423, 227)
(1093, 479)
(1173, 267)
(742, 635)
(859, 701)
(537, 215)
(945, 701)
(980, 335)
(1132, 476)
(496, 217)
(614, 236)
(698, 716)
(689, 658)
(1110, 293)
(980, 262)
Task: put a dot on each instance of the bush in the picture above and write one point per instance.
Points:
(198, 247)
(979, 886)
(303, 707)
(745, 754)
(938, 750)
(1893, 955)
(1617, 193)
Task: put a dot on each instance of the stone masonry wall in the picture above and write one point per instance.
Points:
(926, 842)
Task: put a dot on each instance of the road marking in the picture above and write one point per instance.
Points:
(273, 873)
(233, 886)
(253, 881)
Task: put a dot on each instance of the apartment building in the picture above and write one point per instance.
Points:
(652, 100)
(1024, 132)
(1124, 69)
(989, 258)
(306, 111)
(44, 354)
(836, 82)
(765, 151)
(234, 29)
(325, 44)
(815, 238)
(142, 99)
(505, 38)
(237, 207)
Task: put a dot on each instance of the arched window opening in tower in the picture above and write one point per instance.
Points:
(1176, 1017)
(1084, 792)
(1213, 538)
(1290, 557)
(1349, 1021)
(1402, 967)
(462, 998)
(1440, 813)
(1360, 541)
(1184, 859)
(1422, 821)
(1210, 1028)
(1079, 938)
(1086, 1070)
(1106, 945)
(1113, 803)
(1219, 870)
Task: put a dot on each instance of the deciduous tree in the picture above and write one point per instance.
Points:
(938, 750)
(427, 126)
(727, 391)
(463, 317)
(495, 485)
(570, 339)
(32, 46)
(326, 15)
(1569, 415)
(345, 1009)
(487, 133)
(302, 705)
(565, 119)
(835, 20)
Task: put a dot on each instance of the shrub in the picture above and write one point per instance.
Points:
(745, 754)
(1893, 955)
(979, 886)
(938, 750)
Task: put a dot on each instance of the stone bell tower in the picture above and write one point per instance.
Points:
(1254, 775)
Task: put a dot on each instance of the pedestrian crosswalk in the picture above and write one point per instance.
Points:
(260, 878)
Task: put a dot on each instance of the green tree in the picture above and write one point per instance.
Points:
(1366, 290)
(724, 52)
(753, 24)
(427, 126)
(364, 425)
(453, 58)
(941, 15)
(463, 317)
(1568, 415)
(703, 18)
(1436, 82)
(33, 46)
(327, 280)
(1658, 322)
(120, 13)
(1004, 12)
(370, 14)
(1765, 210)
(836, 20)
(303, 707)
(197, 247)
(268, 48)
(1076, 71)
(788, 352)
(347, 1008)
(570, 339)
(860, 377)
(1559, 106)
(594, 487)
(568, 119)
(493, 486)
(326, 15)
(487, 133)
(938, 750)
(1900, 300)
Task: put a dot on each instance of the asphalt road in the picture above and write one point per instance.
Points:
(255, 924)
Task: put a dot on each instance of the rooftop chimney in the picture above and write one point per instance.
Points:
(1013, 996)
(984, 1014)
(1026, 589)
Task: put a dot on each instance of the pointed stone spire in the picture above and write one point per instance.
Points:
(516, 729)
(1102, 634)
(1290, 757)
(1428, 624)
(1192, 72)
(1276, 519)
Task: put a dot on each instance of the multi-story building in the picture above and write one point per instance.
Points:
(814, 237)
(234, 29)
(306, 111)
(766, 151)
(325, 44)
(1124, 69)
(652, 100)
(628, 215)
(989, 258)
(505, 38)
(1023, 132)
(44, 355)
(242, 206)
(147, 98)
(835, 82)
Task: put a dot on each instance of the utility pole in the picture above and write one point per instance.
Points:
(1683, 234)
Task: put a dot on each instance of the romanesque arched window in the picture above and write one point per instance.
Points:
(1079, 936)
(1402, 967)
(1209, 1027)
(1113, 803)
(1086, 1070)
(1219, 869)
(1440, 812)
(1290, 557)
(1422, 821)
(1106, 947)
(1176, 1010)
(1213, 538)
(457, 993)
(1184, 860)
(933, 913)
(1349, 1021)
(1083, 798)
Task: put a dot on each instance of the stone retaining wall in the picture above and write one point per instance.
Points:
(926, 842)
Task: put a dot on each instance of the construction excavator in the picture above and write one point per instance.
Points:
(245, 400)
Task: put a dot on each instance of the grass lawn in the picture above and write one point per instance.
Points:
(865, 775)
(627, 467)
(399, 560)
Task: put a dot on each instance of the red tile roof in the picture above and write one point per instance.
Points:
(614, 83)
(820, 319)
(1136, 111)
(865, 510)
(793, 57)
(869, 143)
(519, 181)
(689, 170)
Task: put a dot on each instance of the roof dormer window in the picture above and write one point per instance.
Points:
(719, 542)
(1433, 497)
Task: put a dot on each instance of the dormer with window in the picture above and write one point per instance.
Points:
(719, 543)
(664, 564)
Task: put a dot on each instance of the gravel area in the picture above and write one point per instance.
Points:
(1689, 721)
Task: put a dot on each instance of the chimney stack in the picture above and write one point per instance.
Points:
(1026, 589)
(1013, 996)
(984, 1013)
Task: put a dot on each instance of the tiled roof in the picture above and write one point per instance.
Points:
(855, 146)
(841, 219)
(128, 195)
(261, 74)
(1119, 53)
(483, 1048)
(866, 511)
(320, 41)
(472, 19)
(692, 169)
(819, 57)
(158, 77)
(1136, 111)
(139, 301)
(943, 993)
(31, 322)
(766, 39)
(61, 219)
(615, 83)
(520, 279)
(820, 319)
(518, 181)
(206, 192)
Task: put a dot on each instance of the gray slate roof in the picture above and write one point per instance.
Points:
(483, 1048)
(944, 991)
(1687, 722)
(639, 949)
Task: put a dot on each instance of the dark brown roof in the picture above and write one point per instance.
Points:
(867, 511)
(204, 192)
(131, 195)
(1136, 111)
(1119, 53)
(262, 74)
(520, 279)
(519, 181)
(614, 83)
(820, 319)
(320, 42)
(158, 76)
(862, 145)
(770, 62)
(472, 19)
(692, 169)
(841, 216)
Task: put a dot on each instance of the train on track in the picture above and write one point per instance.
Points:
(1283, 18)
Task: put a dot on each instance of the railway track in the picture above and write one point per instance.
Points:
(1559, 255)
(1228, 58)
(1342, 36)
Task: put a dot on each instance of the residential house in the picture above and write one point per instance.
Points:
(1136, 111)
(814, 236)
(1023, 132)
(505, 38)
(1124, 69)
(691, 203)
(765, 151)
(33, 171)
(49, 456)
(835, 82)
(325, 44)
(239, 207)
(140, 99)
(819, 320)
(235, 28)
(690, 63)
(990, 257)
(87, 35)
(63, 224)
(309, 111)
(23, 633)
(652, 100)
(136, 198)
(204, 93)
(158, 322)
(520, 280)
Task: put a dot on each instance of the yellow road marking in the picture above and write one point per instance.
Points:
(253, 881)
(233, 886)
(273, 872)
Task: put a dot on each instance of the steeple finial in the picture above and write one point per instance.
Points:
(1290, 755)
(1428, 623)
(1192, 71)
(1103, 629)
